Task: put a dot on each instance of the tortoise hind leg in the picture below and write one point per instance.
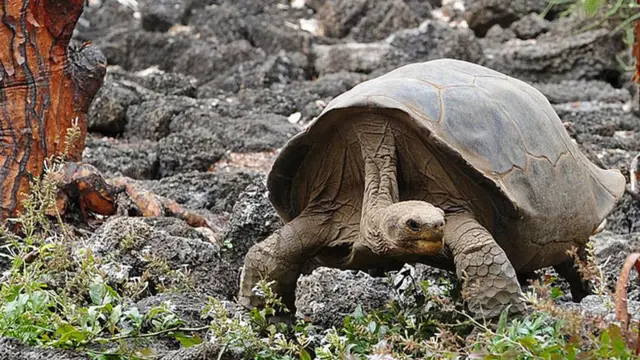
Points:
(281, 258)
(568, 269)
(489, 280)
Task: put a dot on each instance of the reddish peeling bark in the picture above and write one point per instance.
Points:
(44, 86)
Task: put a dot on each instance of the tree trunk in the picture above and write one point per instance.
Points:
(636, 55)
(45, 85)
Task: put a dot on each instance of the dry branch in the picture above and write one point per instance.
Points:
(622, 311)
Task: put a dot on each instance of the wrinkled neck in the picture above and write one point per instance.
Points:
(377, 145)
(372, 231)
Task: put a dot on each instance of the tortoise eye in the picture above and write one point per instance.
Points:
(413, 225)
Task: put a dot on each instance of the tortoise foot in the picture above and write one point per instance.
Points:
(490, 284)
(488, 294)
(580, 288)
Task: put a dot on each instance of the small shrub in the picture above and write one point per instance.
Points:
(54, 293)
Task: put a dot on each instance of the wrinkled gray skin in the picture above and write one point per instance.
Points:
(368, 184)
(337, 216)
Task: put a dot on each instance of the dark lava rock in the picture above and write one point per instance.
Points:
(337, 17)
(530, 26)
(205, 61)
(165, 83)
(497, 34)
(247, 7)
(328, 295)
(229, 24)
(216, 192)
(134, 49)
(282, 68)
(354, 57)
(366, 20)
(332, 85)
(187, 305)
(603, 306)
(584, 56)
(199, 137)
(614, 158)
(151, 119)
(194, 118)
(567, 91)
(14, 350)
(186, 151)
(253, 219)
(611, 251)
(483, 14)
(249, 133)
(601, 119)
(383, 18)
(137, 160)
(99, 19)
(107, 114)
(423, 8)
(306, 97)
(625, 217)
(433, 39)
(266, 27)
(130, 247)
(160, 15)
(181, 52)
(273, 34)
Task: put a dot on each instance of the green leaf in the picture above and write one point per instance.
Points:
(304, 355)
(97, 291)
(68, 332)
(592, 6)
(556, 292)
(502, 322)
(358, 313)
(146, 353)
(528, 342)
(114, 318)
(372, 327)
(188, 341)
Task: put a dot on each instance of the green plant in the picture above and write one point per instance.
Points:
(253, 335)
(54, 293)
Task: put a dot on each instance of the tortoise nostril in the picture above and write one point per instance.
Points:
(439, 225)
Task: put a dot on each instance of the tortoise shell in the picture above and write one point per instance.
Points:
(501, 132)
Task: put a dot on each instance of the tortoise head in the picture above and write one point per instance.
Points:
(412, 228)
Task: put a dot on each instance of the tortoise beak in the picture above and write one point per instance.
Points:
(429, 242)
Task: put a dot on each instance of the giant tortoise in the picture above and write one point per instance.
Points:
(445, 163)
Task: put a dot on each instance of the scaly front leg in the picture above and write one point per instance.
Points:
(281, 258)
(489, 279)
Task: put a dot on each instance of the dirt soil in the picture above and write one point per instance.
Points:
(201, 94)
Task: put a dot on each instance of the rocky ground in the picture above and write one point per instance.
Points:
(201, 94)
